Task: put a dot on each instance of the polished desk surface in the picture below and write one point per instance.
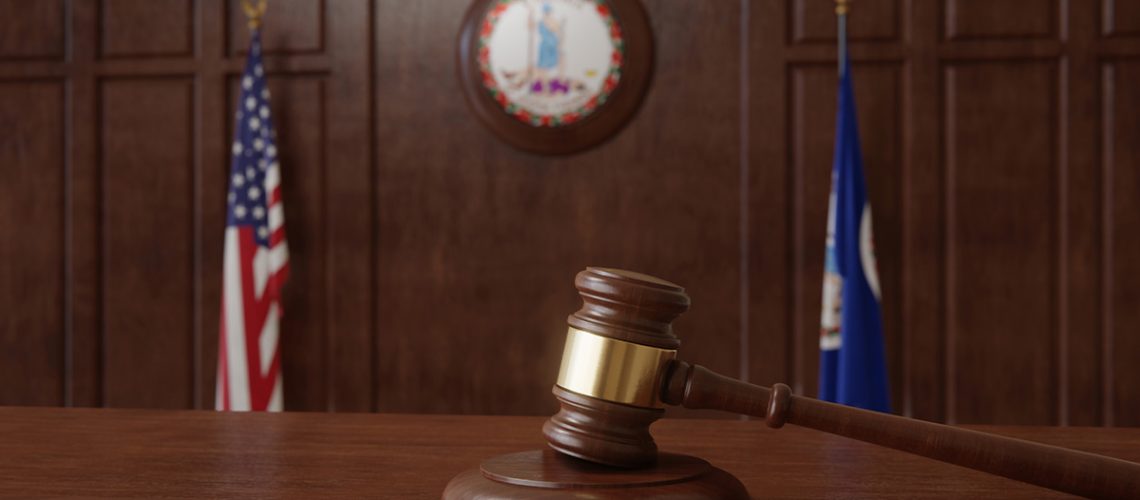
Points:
(146, 453)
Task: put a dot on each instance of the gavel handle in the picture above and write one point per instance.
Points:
(1071, 471)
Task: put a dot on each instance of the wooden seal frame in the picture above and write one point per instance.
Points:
(599, 125)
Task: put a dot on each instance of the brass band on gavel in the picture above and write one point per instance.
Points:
(613, 370)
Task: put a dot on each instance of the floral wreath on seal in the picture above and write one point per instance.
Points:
(549, 120)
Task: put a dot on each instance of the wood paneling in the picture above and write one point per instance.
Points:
(350, 231)
(1080, 276)
(1008, 19)
(923, 254)
(768, 349)
(306, 299)
(432, 264)
(479, 243)
(414, 456)
(1001, 227)
(1120, 18)
(1121, 156)
(84, 265)
(32, 246)
(146, 164)
(146, 28)
(812, 21)
(31, 30)
(291, 27)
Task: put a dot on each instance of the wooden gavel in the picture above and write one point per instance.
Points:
(619, 369)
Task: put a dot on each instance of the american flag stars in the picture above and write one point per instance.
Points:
(254, 156)
(256, 255)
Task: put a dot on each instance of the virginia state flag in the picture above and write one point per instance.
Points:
(852, 370)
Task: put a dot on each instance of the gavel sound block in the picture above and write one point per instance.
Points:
(619, 368)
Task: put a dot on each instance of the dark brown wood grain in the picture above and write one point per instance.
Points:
(592, 427)
(629, 306)
(148, 454)
(32, 30)
(1013, 19)
(433, 261)
(548, 474)
(1071, 471)
(143, 28)
(815, 22)
(31, 215)
(994, 189)
(478, 241)
(147, 288)
(1122, 154)
(1120, 19)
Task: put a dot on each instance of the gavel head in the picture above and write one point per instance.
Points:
(618, 348)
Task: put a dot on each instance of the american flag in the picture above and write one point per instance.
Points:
(256, 260)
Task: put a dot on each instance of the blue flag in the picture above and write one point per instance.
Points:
(852, 369)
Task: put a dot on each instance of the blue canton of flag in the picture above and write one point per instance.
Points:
(852, 369)
(255, 262)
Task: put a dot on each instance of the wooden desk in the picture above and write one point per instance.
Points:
(53, 452)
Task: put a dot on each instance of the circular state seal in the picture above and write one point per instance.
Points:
(550, 63)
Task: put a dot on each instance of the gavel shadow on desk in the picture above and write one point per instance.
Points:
(619, 369)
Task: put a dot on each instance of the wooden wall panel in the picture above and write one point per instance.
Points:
(923, 253)
(1120, 18)
(1008, 19)
(291, 27)
(768, 347)
(350, 221)
(479, 243)
(814, 22)
(1121, 158)
(432, 264)
(305, 336)
(1079, 203)
(84, 265)
(813, 113)
(31, 30)
(1001, 242)
(146, 28)
(146, 163)
(32, 223)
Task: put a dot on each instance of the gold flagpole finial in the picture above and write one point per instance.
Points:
(841, 7)
(254, 9)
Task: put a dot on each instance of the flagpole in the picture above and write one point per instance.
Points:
(841, 7)
(249, 352)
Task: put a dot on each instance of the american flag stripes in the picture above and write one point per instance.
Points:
(256, 259)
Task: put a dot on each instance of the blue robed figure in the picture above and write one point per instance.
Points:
(547, 40)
